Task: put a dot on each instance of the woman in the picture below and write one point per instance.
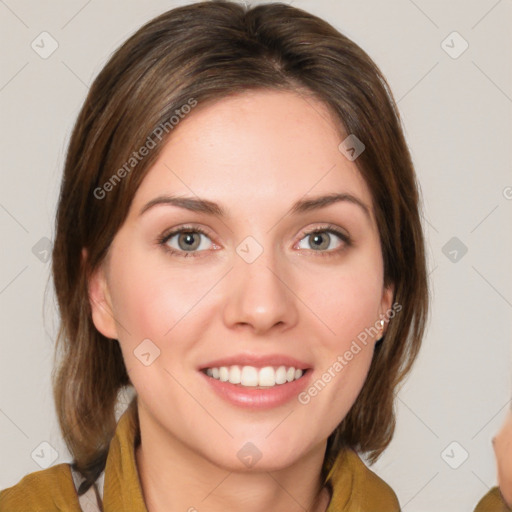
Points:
(239, 239)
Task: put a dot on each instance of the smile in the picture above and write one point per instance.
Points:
(252, 377)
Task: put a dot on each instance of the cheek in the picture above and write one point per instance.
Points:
(151, 297)
(347, 302)
(154, 301)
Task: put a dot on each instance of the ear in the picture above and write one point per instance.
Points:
(386, 304)
(100, 301)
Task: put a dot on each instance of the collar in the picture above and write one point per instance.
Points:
(354, 486)
(122, 489)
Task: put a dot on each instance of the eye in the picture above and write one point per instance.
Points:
(325, 239)
(186, 241)
(192, 241)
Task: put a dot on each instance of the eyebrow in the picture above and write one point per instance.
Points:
(196, 204)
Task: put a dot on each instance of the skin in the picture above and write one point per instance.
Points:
(254, 154)
(503, 450)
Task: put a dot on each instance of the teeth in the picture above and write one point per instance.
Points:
(249, 376)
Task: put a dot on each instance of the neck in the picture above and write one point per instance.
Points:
(167, 467)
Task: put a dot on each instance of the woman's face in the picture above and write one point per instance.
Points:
(253, 289)
(503, 450)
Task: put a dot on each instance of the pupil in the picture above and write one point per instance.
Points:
(318, 239)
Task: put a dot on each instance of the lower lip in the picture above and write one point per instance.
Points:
(251, 398)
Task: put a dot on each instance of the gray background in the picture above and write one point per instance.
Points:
(457, 118)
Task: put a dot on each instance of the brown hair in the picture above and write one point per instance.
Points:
(207, 51)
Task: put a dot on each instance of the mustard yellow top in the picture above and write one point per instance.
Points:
(355, 487)
(492, 502)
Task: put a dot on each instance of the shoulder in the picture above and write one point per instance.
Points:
(356, 487)
(375, 494)
(492, 502)
(47, 490)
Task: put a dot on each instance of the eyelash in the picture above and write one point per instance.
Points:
(328, 228)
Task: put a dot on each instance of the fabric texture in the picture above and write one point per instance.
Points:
(355, 487)
(492, 502)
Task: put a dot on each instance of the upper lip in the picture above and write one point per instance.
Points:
(257, 360)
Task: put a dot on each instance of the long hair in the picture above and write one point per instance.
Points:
(202, 53)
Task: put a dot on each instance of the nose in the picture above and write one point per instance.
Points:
(260, 296)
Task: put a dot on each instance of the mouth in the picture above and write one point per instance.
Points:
(255, 377)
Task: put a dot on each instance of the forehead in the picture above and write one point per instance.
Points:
(254, 149)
